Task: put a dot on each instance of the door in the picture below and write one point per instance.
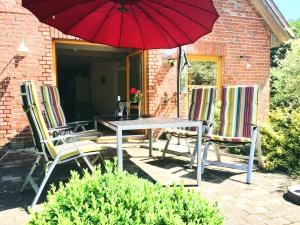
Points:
(135, 78)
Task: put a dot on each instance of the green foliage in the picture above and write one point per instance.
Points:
(295, 25)
(281, 136)
(202, 73)
(279, 53)
(286, 79)
(120, 198)
(217, 117)
(281, 141)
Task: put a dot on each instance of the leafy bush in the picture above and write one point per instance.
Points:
(120, 198)
(285, 79)
(281, 141)
(281, 136)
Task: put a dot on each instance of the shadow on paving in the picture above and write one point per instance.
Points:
(16, 165)
(210, 175)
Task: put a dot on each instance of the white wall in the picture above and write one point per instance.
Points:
(104, 84)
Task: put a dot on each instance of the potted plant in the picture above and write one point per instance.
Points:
(137, 98)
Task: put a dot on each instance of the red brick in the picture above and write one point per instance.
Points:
(239, 31)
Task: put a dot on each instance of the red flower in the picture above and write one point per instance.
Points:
(132, 91)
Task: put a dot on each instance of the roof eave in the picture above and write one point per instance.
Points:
(275, 20)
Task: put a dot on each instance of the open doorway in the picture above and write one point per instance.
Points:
(91, 77)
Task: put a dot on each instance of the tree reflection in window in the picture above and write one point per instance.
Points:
(202, 73)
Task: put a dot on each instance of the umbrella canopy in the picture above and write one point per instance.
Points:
(141, 24)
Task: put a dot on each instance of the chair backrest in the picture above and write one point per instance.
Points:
(202, 103)
(37, 124)
(239, 110)
(52, 106)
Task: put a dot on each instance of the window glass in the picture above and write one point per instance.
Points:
(202, 73)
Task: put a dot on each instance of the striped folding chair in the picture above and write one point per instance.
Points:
(239, 112)
(44, 144)
(201, 107)
(55, 116)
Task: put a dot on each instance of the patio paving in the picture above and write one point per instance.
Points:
(262, 202)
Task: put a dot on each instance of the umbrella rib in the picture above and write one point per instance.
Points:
(82, 18)
(195, 6)
(121, 28)
(157, 24)
(101, 24)
(138, 25)
(82, 2)
(184, 15)
(167, 18)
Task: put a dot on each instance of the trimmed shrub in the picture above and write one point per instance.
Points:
(281, 141)
(120, 198)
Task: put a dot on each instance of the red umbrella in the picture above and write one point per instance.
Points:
(142, 24)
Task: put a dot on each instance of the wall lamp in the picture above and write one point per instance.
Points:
(22, 50)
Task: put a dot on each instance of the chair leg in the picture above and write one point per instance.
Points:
(78, 164)
(205, 153)
(29, 176)
(251, 156)
(88, 163)
(259, 152)
(95, 159)
(169, 137)
(39, 192)
(5, 155)
(217, 151)
(193, 156)
(187, 144)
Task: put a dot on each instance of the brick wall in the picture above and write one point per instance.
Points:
(17, 23)
(240, 37)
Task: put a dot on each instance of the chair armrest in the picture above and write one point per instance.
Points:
(66, 127)
(257, 125)
(83, 123)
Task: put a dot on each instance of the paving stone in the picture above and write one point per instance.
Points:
(261, 203)
(278, 221)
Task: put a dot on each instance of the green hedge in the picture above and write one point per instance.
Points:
(281, 141)
(120, 198)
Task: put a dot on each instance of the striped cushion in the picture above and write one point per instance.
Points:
(239, 110)
(35, 118)
(228, 139)
(52, 106)
(70, 150)
(181, 133)
(40, 131)
(202, 104)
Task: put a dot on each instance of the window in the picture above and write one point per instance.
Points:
(203, 71)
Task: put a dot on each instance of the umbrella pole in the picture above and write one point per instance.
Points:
(178, 85)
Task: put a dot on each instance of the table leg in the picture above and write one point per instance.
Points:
(150, 142)
(199, 140)
(119, 149)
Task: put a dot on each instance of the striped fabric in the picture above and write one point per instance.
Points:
(40, 131)
(238, 111)
(52, 107)
(202, 104)
(35, 118)
(219, 138)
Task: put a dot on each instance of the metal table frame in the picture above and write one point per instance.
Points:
(151, 123)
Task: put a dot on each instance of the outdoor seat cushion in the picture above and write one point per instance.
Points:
(219, 138)
(181, 132)
(70, 149)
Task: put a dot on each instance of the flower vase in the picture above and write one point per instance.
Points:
(139, 109)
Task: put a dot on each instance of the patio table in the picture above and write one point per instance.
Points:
(150, 123)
